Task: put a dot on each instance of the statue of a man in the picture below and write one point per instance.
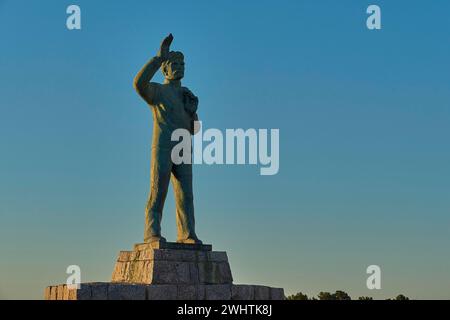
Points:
(173, 107)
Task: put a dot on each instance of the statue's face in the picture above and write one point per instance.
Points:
(174, 70)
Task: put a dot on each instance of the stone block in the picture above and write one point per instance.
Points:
(47, 293)
(134, 255)
(146, 255)
(84, 292)
(187, 292)
(136, 272)
(193, 273)
(173, 255)
(201, 256)
(147, 274)
(225, 272)
(99, 291)
(71, 293)
(214, 273)
(201, 292)
(124, 256)
(206, 272)
(66, 293)
(120, 272)
(126, 292)
(183, 273)
(217, 256)
(162, 292)
(53, 292)
(242, 292)
(164, 272)
(60, 292)
(218, 292)
(276, 294)
(262, 293)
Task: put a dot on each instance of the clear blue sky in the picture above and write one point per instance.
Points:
(364, 134)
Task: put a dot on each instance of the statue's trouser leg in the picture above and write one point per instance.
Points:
(184, 200)
(161, 168)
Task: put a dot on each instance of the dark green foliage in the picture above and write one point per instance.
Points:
(325, 296)
(298, 296)
(338, 295)
(400, 297)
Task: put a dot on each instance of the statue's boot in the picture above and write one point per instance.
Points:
(190, 240)
(155, 239)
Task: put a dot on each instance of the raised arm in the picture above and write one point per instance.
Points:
(141, 82)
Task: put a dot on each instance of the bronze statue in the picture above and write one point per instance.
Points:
(173, 107)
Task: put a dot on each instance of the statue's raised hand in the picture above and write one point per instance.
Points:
(165, 47)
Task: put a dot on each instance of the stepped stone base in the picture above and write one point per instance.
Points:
(172, 263)
(115, 291)
(168, 271)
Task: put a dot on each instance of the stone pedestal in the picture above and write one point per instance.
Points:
(172, 263)
(168, 271)
(127, 291)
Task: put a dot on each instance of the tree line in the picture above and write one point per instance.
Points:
(338, 295)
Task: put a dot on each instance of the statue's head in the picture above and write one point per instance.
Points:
(173, 67)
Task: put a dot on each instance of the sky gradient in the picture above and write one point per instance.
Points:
(364, 130)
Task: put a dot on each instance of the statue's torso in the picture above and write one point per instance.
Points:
(169, 114)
